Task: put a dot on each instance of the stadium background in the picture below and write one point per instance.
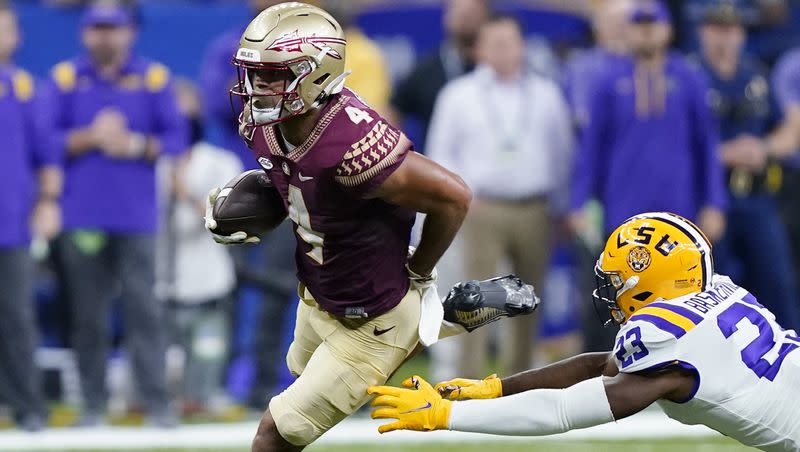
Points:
(178, 33)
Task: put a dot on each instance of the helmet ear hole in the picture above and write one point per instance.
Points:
(642, 296)
(322, 79)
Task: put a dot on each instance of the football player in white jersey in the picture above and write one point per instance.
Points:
(700, 346)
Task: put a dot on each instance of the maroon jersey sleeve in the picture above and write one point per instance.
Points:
(379, 149)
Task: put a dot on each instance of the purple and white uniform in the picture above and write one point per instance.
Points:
(747, 366)
(351, 250)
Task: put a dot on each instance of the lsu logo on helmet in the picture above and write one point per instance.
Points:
(639, 258)
(651, 256)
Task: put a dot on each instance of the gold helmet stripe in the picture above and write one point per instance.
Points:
(694, 234)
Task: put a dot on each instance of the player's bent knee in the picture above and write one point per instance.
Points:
(291, 425)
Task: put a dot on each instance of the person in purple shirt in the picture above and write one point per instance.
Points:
(23, 203)
(113, 114)
(650, 142)
(585, 66)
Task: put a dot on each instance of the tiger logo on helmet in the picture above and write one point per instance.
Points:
(290, 59)
(652, 256)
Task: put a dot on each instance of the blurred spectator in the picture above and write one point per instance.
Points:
(22, 206)
(114, 113)
(268, 266)
(582, 72)
(415, 96)
(755, 250)
(216, 78)
(202, 271)
(650, 128)
(585, 66)
(514, 153)
(370, 76)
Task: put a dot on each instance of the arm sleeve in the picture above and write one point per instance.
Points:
(535, 413)
(646, 342)
(170, 125)
(36, 123)
(441, 145)
(705, 140)
(371, 159)
(594, 145)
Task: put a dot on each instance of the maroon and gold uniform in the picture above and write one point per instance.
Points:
(351, 249)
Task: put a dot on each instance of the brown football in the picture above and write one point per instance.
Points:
(249, 203)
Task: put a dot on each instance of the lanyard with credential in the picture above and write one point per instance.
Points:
(508, 134)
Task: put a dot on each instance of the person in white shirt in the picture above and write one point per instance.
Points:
(507, 133)
(201, 272)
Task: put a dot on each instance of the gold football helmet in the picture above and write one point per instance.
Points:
(650, 257)
(290, 59)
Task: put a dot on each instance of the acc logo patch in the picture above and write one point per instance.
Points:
(265, 163)
(639, 259)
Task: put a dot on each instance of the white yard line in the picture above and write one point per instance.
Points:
(650, 424)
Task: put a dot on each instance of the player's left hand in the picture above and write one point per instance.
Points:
(466, 389)
(421, 408)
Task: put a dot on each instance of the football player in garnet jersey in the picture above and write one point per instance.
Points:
(352, 185)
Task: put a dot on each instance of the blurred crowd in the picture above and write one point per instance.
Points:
(685, 106)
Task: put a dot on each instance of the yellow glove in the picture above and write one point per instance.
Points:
(464, 389)
(421, 408)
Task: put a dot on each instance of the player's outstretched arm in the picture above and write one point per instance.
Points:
(538, 412)
(562, 374)
(425, 186)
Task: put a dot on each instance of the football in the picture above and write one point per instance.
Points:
(249, 203)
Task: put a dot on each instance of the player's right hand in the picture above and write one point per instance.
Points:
(211, 224)
(465, 389)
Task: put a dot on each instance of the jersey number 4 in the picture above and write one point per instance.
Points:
(762, 355)
(298, 212)
(357, 115)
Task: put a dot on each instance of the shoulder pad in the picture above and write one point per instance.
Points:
(64, 75)
(23, 85)
(376, 150)
(641, 346)
(156, 77)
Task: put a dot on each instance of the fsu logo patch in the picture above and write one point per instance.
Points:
(291, 43)
(639, 259)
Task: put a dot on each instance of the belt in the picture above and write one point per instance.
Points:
(743, 183)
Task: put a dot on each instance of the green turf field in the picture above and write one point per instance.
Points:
(683, 445)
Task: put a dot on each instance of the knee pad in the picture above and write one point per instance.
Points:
(295, 428)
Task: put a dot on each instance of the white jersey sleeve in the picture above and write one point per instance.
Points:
(641, 346)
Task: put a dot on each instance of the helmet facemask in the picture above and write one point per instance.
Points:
(608, 287)
(270, 91)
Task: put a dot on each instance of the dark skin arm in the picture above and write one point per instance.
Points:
(562, 374)
(627, 393)
(423, 185)
(630, 393)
